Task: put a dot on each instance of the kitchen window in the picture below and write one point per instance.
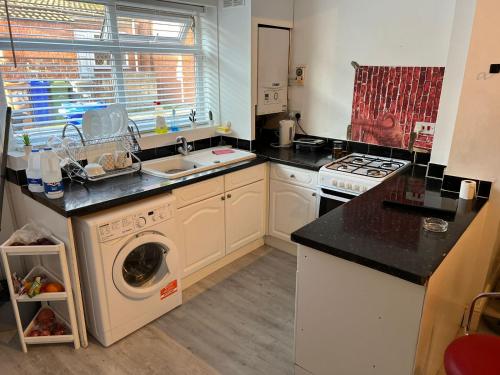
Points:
(73, 56)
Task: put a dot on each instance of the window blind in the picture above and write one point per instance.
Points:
(72, 56)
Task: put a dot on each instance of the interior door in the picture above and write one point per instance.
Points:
(291, 207)
(202, 233)
(245, 215)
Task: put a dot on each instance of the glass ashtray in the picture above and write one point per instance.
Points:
(433, 224)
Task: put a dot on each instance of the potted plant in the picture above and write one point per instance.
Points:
(27, 144)
(192, 118)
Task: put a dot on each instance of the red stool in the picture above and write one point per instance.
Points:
(474, 354)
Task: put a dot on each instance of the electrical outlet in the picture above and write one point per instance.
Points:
(293, 114)
(425, 128)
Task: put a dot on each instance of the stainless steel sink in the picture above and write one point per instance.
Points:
(178, 166)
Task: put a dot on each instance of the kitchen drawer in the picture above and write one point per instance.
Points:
(199, 191)
(292, 175)
(245, 176)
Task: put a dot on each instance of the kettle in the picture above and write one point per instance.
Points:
(287, 132)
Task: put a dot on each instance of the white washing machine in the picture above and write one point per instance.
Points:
(130, 266)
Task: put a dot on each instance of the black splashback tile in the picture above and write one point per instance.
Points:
(148, 154)
(164, 151)
(244, 144)
(452, 183)
(215, 141)
(484, 189)
(376, 150)
(16, 177)
(422, 158)
(359, 147)
(230, 141)
(400, 153)
(435, 170)
(201, 144)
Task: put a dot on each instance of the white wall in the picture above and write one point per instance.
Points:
(329, 34)
(273, 9)
(475, 146)
(235, 68)
(453, 79)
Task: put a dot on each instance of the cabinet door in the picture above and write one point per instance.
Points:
(290, 208)
(245, 215)
(202, 233)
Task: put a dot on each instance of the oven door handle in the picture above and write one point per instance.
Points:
(334, 197)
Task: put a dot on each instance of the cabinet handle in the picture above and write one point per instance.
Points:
(229, 195)
(223, 198)
(292, 176)
(314, 194)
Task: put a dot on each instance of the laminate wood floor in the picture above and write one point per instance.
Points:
(238, 320)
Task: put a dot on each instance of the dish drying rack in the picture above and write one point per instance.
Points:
(76, 149)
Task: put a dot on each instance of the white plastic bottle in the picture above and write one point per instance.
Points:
(51, 174)
(34, 172)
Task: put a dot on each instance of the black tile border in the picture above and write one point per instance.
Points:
(484, 189)
(451, 184)
(400, 153)
(382, 151)
(358, 147)
(422, 158)
(435, 170)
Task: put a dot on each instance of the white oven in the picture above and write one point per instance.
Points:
(352, 175)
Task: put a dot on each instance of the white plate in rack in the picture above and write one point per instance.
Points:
(105, 123)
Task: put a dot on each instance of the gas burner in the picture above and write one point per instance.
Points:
(392, 165)
(342, 167)
(375, 173)
(371, 172)
(357, 161)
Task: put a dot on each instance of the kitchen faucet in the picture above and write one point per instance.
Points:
(185, 148)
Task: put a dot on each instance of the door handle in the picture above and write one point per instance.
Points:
(313, 194)
(223, 198)
(229, 196)
(292, 176)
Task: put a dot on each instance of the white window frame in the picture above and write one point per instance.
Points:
(116, 47)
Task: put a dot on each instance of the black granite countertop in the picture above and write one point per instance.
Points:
(303, 158)
(387, 238)
(95, 196)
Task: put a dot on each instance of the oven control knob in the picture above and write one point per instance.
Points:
(355, 187)
(341, 184)
(334, 182)
(363, 188)
(348, 185)
(140, 221)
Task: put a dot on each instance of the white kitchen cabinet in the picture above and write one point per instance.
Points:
(202, 233)
(290, 208)
(245, 215)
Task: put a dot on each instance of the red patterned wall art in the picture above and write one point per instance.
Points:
(389, 100)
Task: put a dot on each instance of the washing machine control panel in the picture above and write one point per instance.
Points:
(133, 223)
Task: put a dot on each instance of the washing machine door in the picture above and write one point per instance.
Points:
(144, 265)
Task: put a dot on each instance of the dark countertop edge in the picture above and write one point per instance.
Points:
(40, 197)
(407, 276)
(377, 266)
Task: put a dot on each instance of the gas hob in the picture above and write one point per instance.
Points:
(357, 173)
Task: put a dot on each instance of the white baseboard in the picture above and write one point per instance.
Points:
(277, 243)
(211, 268)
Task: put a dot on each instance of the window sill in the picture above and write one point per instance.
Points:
(18, 161)
(153, 140)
